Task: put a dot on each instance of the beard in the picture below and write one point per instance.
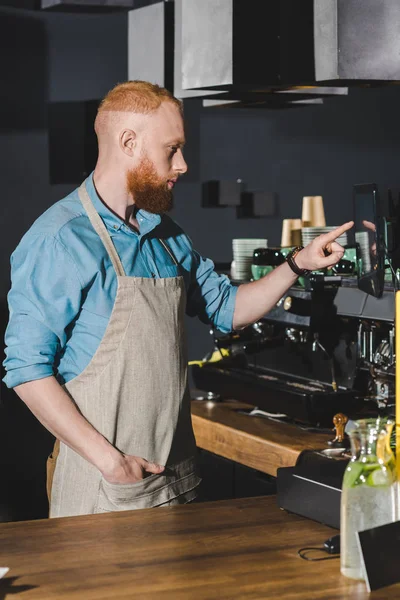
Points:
(149, 191)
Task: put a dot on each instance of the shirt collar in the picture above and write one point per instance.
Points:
(147, 221)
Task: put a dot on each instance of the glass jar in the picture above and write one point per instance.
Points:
(369, 489)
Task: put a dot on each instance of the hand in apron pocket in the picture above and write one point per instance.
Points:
(145, 493)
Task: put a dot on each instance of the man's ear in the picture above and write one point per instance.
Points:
(127, 141)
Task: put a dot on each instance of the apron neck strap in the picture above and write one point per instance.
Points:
(100, 229)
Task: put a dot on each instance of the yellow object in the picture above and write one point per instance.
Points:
(397, 325)
(287, 305)
(215, 357)
(384, 452)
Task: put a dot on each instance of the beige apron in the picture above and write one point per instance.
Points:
(134, 392)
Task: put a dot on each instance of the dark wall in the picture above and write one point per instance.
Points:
(46, 58)
(308, 151)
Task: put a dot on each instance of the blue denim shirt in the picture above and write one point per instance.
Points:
(64, 285)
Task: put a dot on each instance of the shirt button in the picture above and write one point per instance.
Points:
(153, 275)
(115, 226)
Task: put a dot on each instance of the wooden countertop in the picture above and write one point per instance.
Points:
(255, 442)
(234, 549)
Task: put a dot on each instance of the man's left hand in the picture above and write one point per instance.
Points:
(323, 252)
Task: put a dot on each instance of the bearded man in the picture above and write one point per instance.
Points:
(100, 286)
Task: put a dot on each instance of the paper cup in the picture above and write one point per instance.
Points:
(291, 233)
(313, 214)
(296, 232)
(286, 239)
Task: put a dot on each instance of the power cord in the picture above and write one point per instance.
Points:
(305, 557)
(331, 546)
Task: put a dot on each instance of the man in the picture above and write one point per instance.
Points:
(100, 285)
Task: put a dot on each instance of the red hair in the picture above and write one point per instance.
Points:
(139, 97)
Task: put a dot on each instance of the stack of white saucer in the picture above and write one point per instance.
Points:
(308, 234)
(362, 238)
(243, 256)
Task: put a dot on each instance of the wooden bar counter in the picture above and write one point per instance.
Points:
(256, 442)
(234, 549)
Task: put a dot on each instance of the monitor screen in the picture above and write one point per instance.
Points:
(365, 233)
(369, 239)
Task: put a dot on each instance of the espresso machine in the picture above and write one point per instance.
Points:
(318, 352)
(327, 347)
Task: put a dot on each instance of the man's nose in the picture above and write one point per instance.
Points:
(180, 165)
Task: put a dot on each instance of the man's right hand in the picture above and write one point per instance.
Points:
(131, 469)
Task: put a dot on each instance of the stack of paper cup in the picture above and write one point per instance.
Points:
(291, 233)
(313, 214)
(243, 256)
(310, 233)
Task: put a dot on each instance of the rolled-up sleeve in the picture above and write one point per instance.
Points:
(211, 296)
(44, 300)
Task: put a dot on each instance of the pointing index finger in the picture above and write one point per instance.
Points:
(333, 235)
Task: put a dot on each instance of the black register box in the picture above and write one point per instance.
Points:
(313, 487)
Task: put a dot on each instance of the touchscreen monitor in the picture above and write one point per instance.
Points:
(369, 238)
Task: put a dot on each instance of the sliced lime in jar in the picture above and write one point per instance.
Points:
(380, 477)
(370, 466)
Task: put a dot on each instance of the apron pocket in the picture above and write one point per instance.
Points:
(146, 493)
(149, 492)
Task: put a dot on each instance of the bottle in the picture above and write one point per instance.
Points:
(369, 489)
